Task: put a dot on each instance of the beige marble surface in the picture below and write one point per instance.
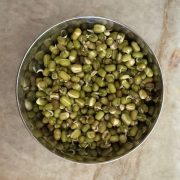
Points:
(157, 21)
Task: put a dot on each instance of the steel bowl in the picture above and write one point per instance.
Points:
(66, 27)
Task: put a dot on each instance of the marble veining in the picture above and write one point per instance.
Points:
(158, 22)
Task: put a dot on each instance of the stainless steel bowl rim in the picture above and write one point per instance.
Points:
(17, 82)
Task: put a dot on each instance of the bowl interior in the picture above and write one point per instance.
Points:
(67, 27)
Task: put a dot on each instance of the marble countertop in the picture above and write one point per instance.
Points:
(158, 22)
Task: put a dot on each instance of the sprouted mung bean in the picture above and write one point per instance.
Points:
(90, 93)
